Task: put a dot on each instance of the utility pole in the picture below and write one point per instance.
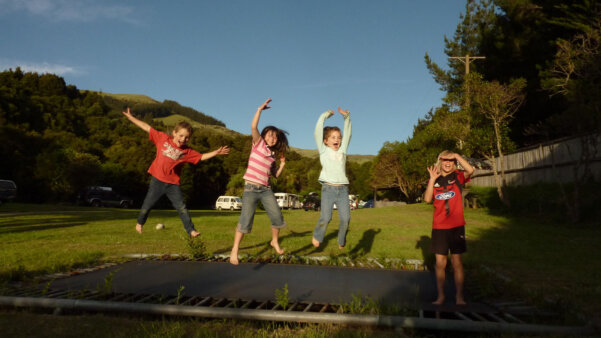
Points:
(467, 59)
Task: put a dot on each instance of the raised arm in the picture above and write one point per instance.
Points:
(319, 129)
(224, 150)
(254, 126)
(348, 129)
(467, 167)
(282, 164)
(143, 125)
(434, 174)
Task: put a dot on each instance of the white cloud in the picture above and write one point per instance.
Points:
(43, 67)
(71, 10)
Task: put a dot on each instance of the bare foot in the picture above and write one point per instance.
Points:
(139, 228)
(194, 233)
(460, 301)
(438, 301)
(277, 248)
(315, 242)
(234, 259)
(340, 247)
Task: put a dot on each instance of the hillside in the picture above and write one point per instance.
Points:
(175, 118)
(130, 98)
(312, 153)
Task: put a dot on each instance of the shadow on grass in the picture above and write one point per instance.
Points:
(364, 245)
(425, 243)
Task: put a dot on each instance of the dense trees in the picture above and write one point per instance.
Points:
(56, 139)
(539, 81)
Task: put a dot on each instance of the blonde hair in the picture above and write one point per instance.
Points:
(438, 164)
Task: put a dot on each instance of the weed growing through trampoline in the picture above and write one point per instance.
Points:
(180, 293)
(281, 297)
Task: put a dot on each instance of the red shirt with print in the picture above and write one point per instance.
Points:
(448, 204)
(168, 163)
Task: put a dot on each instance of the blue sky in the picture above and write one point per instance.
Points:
(224, 58)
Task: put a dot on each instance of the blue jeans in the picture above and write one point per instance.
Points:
(252, 195)
(329, 195)
(156, 189)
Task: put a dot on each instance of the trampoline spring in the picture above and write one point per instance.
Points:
(129, 298)
(262, 304)
(218, 302)
(275, 307)
(512, 317)
(497, 318)
(57, 293)
(421, 313)
(204, 301)
(477, 316)
(144, 299)
(292, 307)
(324, 308)
(117, 297)
(308, 307)
(189, 300)
(462, 316)
(247, 304)
(231, 304)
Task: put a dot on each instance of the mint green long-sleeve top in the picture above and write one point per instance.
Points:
(333, 162)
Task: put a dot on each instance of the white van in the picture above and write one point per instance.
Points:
(288, 201)
(228, 202)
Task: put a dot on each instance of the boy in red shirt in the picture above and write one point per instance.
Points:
(172, 154)
(448, 226)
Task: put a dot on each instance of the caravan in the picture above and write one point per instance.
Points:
(287, 201)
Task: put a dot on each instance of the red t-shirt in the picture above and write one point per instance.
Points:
(448, 205)
(168, 163)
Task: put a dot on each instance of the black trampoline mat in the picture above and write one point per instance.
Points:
(306, 283)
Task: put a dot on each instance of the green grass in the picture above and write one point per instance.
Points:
(545, 261)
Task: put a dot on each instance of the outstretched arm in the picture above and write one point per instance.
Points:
(255, 123)
(143, 125)
(434, 174)
(223, 150)
(348, 129)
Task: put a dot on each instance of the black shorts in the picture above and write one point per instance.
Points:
(445, 240)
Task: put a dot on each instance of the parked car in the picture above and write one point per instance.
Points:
(228, 202)
(312, 202)
(368, 204)
(8, 191)
(97, 196)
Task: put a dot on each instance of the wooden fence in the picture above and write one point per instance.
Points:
(558, 160)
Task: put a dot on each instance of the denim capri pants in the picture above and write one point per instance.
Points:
(252, 195)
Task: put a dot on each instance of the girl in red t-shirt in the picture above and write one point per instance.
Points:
(172, 153)
(448, 225)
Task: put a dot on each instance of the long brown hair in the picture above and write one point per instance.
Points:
(281, 146)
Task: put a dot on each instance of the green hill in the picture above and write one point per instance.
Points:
(175, 118)
(130, 98)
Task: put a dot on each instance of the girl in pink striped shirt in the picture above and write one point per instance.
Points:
(270, 144)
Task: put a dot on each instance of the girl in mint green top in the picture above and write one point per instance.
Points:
(332, 147)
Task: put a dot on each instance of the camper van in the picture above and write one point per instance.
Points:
(287, 201)
(228, 203)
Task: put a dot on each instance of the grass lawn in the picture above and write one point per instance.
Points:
(543, 260)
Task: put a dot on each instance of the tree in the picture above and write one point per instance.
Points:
(576, 75)
(497, 103)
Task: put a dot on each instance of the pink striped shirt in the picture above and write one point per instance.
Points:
(259, 164)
